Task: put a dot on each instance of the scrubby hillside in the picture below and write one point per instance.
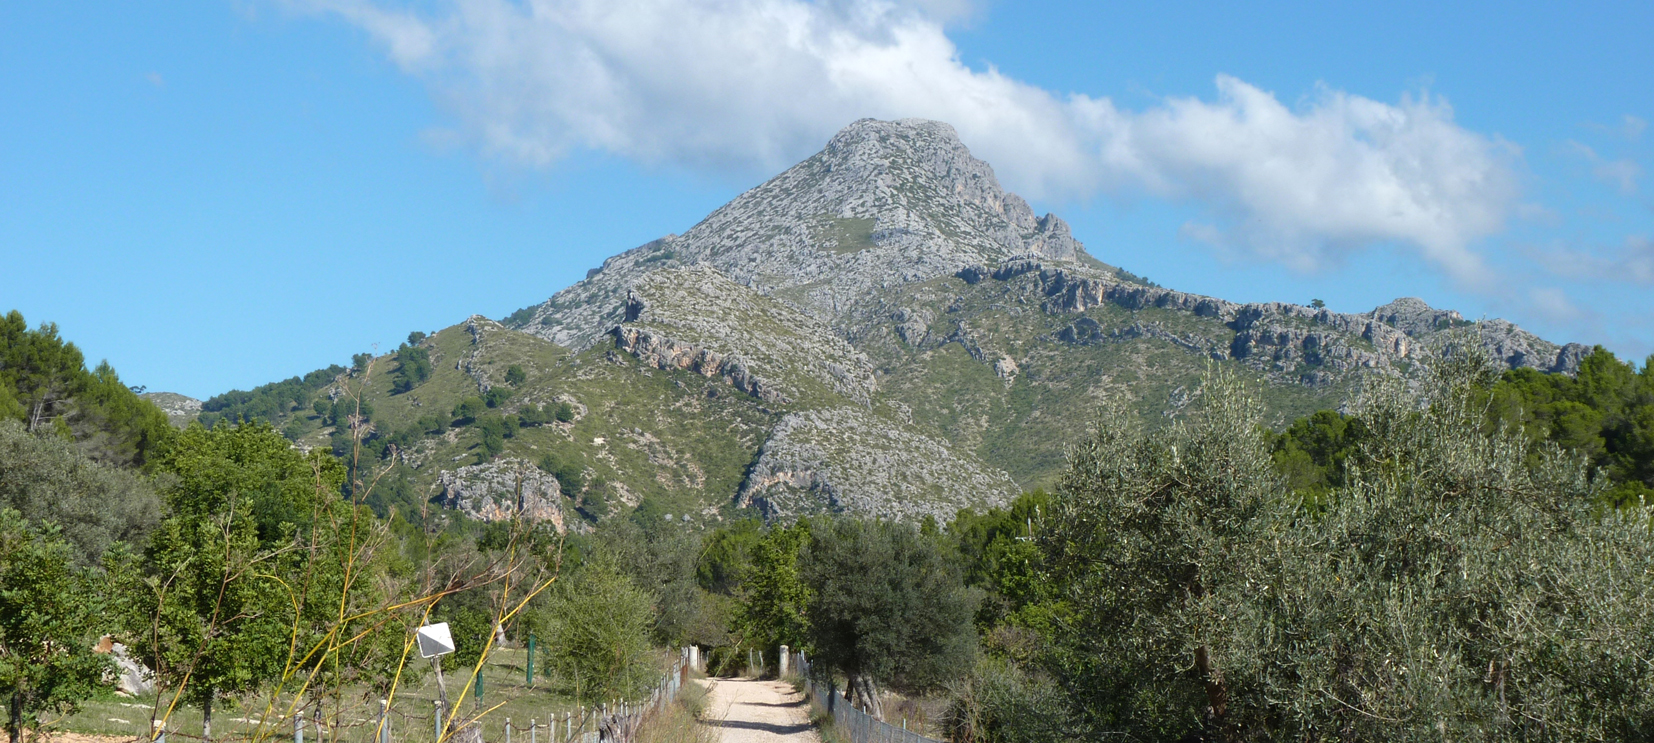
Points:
(880, 329)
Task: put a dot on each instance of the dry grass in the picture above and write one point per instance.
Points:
(680, 721)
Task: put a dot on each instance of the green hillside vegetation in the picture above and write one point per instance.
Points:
(45, 385)
(615, 431)
(1604, 414)
(947, 376)
(1175, 583)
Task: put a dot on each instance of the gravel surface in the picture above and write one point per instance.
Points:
(747, 711)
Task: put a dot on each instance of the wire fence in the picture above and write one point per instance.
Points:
(615, 722)
(855, 724)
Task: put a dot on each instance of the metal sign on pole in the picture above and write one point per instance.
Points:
(435, 641)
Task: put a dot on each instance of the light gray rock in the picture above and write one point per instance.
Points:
(886, 203)
(502, 490)
(849, 460)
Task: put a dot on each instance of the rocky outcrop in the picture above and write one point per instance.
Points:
(667, 353)
(503, 490)
(885, 203)
(129, 677)
(180, 410)
(851, 461)
(697, 319)
(1285, 338)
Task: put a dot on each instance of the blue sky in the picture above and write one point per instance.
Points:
(214, 195)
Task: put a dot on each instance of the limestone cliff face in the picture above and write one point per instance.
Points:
(1294, 340)
(887, 202)
(700, 320)
(851, 461)
(502, 490)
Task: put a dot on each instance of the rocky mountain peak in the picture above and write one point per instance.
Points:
(885, 203)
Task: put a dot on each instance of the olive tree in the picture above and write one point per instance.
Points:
(888, 607)
(1460, 583)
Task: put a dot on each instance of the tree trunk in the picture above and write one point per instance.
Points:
(206, 715)
(1217, 691)
(869, 695)
(14, 721)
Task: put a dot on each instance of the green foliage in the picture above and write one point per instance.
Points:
(494, 431)
(1317, 304)
(1460, 583)
(661, 557)
(521, 316)
(271, 401)
(777, 607)
(496, 396)
(416, 337)
(1605, 413)
(596, 641)
(469, 408)
(999, 557)
(726, 556)
(45, 385)
(514, 375)
(47, 479)
(1313, 452)
(49, 614)
(889, 606)
(1151, 530)
(413, 367)
(205, 606)
(570, 475)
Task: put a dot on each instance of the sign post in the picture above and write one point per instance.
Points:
(436, 641)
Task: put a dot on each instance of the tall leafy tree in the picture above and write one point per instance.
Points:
(48, 479)
(48, 623)
(596, 624)
(889, 607)
(44, 384)
(207, 606)
(776, 605)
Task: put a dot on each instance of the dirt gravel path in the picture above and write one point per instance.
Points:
(749, 711)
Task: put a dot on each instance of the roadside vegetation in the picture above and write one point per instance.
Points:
(1469, 560)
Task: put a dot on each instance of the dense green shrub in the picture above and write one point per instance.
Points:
(47, 479)
(596, 642)
(413, 367)
(1460, 584)
(889, 607)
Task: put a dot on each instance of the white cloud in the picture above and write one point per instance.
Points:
(1632, 262)
(1632, 127)
(1621, 174)
(750, 86)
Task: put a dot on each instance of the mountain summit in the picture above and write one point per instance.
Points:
(886, 203)
(880, 329)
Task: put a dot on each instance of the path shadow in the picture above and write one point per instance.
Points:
(764, 726)
(798, 703)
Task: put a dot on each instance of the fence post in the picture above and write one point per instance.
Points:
(298, 728)
(507, 730)
(158, 731)
(476, 683)
(782, 661)
(530, 660)
(384, 721)
(437, 703)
